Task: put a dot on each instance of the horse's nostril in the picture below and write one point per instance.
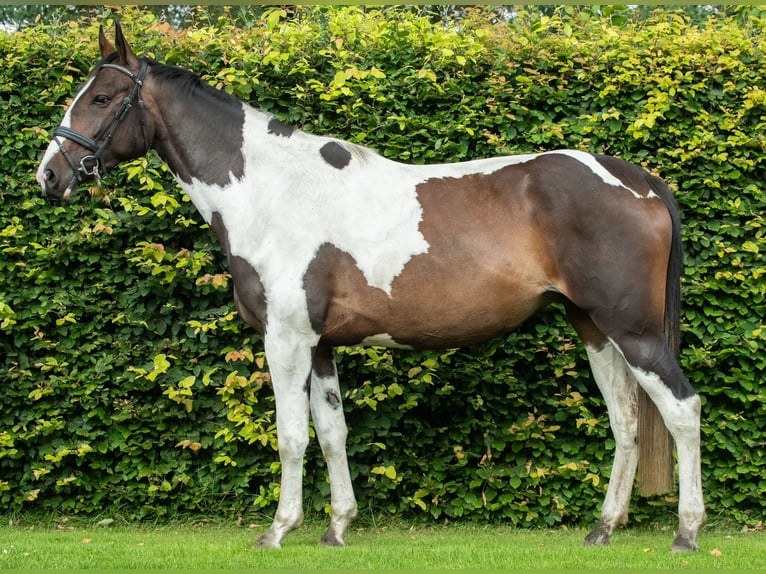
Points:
(50, 176)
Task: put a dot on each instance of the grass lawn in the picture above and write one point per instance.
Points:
(394, 547)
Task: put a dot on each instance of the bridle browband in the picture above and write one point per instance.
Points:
(92, 165)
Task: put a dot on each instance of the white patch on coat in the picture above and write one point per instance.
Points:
(57, 141)
(383, 340)
(599, 170)
(290, 202)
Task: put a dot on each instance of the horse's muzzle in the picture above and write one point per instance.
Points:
(52, 188)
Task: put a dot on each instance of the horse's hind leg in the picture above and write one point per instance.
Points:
(618, 387)
(330, 426)
(659, 374)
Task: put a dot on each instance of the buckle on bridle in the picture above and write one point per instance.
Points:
(90, 165)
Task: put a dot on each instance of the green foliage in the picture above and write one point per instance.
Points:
(129, 384)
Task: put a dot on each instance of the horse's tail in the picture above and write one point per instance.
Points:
(655, 445)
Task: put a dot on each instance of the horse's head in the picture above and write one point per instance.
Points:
(106, 123)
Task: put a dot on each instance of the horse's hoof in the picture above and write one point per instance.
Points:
(683, 544)
(267, 540)
(599, 536)
(331, 539)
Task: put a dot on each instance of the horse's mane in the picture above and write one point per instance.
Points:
(186, 82)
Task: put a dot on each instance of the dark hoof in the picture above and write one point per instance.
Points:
(267, 540)
(599, 536)
(331, 539)
(683, 544)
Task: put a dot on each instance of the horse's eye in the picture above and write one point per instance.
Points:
(101, 100)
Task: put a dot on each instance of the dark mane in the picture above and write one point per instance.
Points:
(187, 83)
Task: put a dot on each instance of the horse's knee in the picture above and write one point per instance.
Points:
(292, 444)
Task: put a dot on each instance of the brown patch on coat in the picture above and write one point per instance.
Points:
(249, 293)
(626, 172)
(188, 103)
(279, 128)
(323, 362)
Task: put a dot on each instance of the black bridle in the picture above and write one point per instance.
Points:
(92, 165)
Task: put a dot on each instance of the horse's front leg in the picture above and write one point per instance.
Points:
(290, 367)
(330, 426)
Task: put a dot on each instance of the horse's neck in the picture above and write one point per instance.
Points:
(200, 138)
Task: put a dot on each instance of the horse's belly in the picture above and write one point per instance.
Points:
(438, 315)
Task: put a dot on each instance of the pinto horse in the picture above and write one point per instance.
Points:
(331, 244)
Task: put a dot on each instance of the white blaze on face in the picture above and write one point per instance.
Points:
(56, 141)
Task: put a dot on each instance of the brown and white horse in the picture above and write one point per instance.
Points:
(331, 244)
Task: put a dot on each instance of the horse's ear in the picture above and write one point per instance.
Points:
(127, 57)
(103, 44)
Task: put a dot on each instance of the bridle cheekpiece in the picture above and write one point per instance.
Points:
(92, 165)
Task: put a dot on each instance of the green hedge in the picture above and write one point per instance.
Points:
(129, 386)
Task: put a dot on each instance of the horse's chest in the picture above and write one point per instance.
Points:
(274, 224)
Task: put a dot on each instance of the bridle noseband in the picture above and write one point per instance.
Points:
(92, 165)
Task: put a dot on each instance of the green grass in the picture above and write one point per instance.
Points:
(395, 547)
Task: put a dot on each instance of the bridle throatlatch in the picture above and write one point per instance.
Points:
(92, 165)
